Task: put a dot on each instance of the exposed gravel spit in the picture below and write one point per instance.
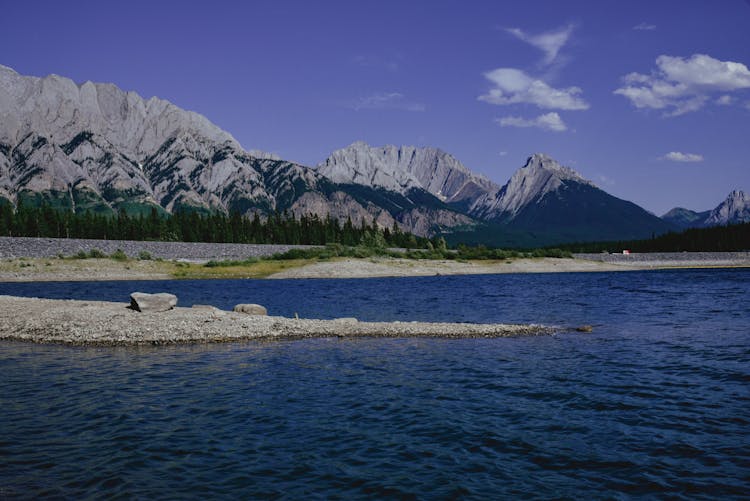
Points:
(107, 323)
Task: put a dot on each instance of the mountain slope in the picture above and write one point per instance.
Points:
(685, 218)
(95, 147)
(545, 203)
(542, 202)
(404, 168)
(528, 185)
(734, 209)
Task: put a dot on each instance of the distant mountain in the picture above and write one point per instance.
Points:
(540, 176)
(733, 210)
(405, 168)
(685, 218)
(542, 197)
(551, 203)
(95, 147)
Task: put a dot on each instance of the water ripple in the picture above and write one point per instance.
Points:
(653, 403)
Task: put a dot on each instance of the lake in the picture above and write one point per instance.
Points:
(655, 401)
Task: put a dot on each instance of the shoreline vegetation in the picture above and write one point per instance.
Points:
(109, 324)
(30, 259)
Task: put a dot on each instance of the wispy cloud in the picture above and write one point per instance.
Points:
(725, 100)
(386, 101)
(513, 86)
(677, 156)
(644, 27)
(548, 121)
(682, 85)
(606, 181)
(549, 42)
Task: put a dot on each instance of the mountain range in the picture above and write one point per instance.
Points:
(93, 147)
(734, 209)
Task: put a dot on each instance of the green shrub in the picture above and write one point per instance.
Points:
(145, 256)
(96, 254)
(118, 255)
(229, 262)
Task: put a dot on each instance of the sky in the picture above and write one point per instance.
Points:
(648, 99)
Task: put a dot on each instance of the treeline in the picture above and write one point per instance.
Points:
(731, 238)
(282, 228)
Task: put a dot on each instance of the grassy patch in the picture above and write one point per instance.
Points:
(119, 255)
(237, 269)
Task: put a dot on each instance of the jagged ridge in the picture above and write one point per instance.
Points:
(734, 209)
(95, 147)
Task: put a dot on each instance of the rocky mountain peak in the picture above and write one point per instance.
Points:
(543, 162)
(58, 108)
(734, 209)
(737, 196)
(403, 168)
(540, 175)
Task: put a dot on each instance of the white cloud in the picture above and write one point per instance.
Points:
(386, 101)
(548, 121)
(680, 85)
(513, 86)
(724, 100)
(549, 42)
(676, 156)
(503, 153)
(644, 27)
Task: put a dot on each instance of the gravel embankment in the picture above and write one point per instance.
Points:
(672, 259)
(14, 247)
(107, 323)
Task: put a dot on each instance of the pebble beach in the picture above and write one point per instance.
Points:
(111, 323)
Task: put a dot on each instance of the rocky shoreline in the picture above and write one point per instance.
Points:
(35, 259)
(75, 322)
(672, 259)
(31, 247)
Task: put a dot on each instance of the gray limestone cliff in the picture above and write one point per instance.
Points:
(94, 147)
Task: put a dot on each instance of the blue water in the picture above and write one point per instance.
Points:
(654, 402)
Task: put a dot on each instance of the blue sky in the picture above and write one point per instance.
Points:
(648, 99)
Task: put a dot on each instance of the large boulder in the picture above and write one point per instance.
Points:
(251, 309)
(141, 301)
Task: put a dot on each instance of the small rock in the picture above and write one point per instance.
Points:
(346, 320)
(250, 309)
(213, 310)
(584, 328)
(143, 302)
(205, 307)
